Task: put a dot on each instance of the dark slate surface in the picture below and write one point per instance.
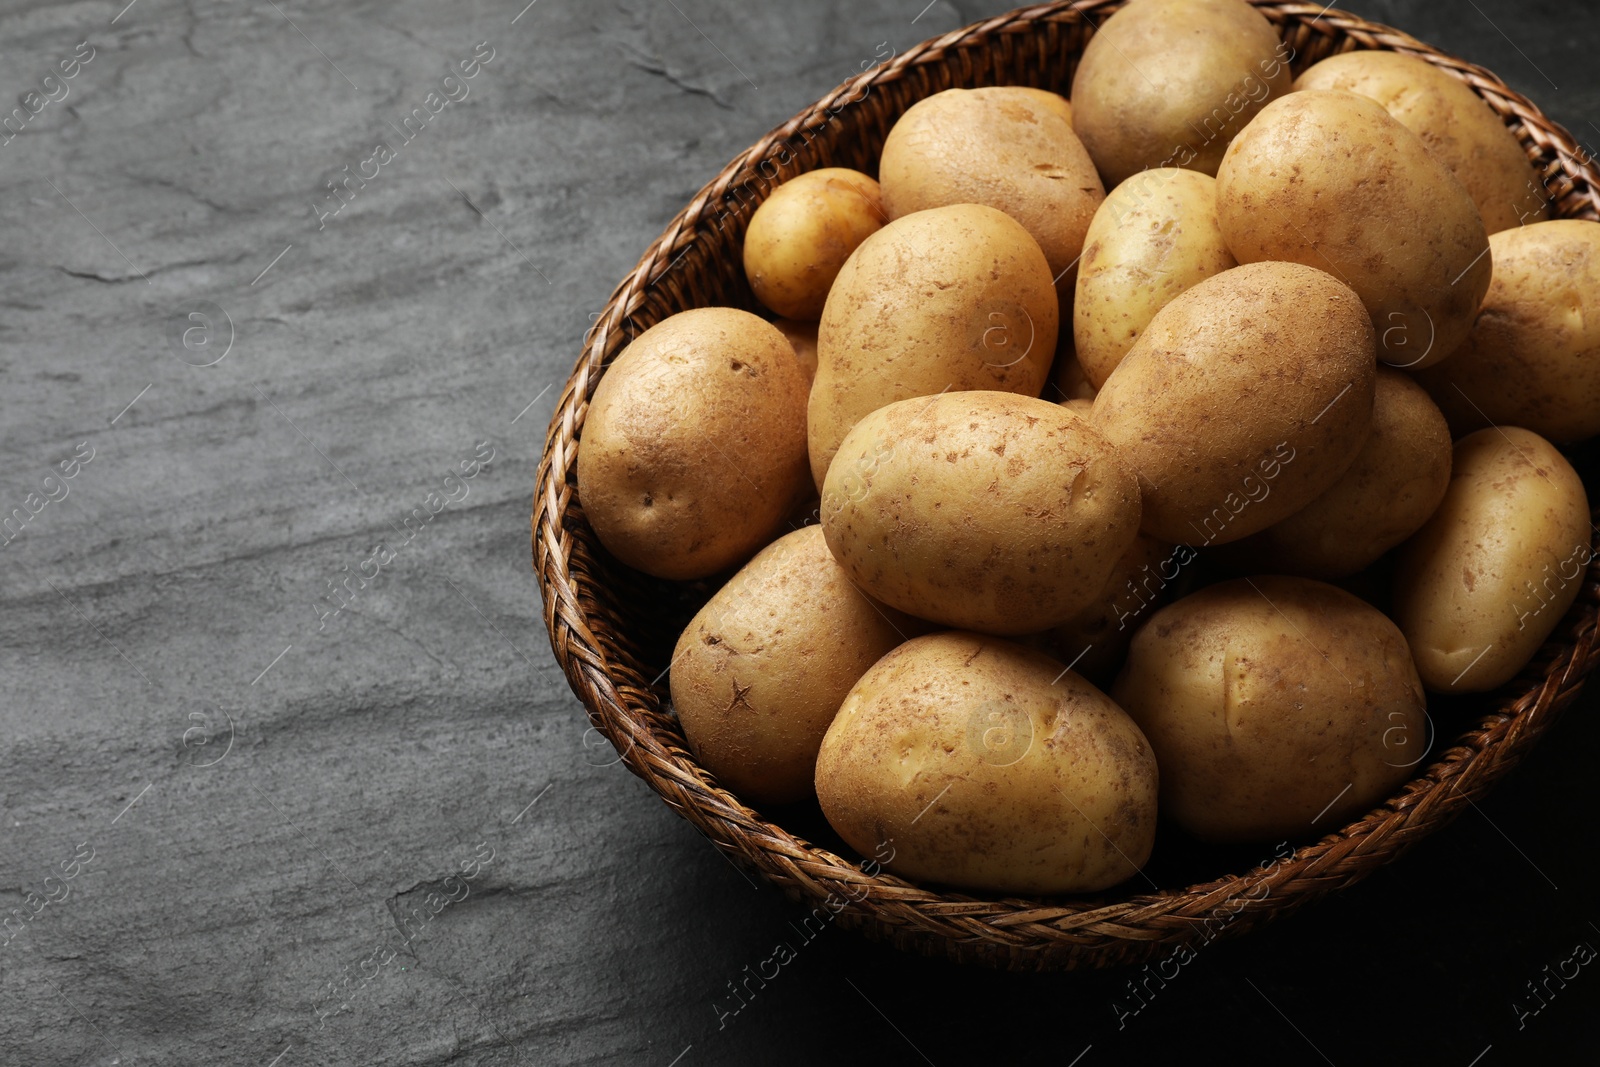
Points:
(249, 808)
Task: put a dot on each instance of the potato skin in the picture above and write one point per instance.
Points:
(1459, 129)
(988, 766)
(1328, 179)
(950, 298)
(802, 337)
(1094, 641)
(686, 489)
(1244, 399)
(1533, 356)
(1153, 237)
(803, 232)
(980, 510)
(1269, 700)
(1481, 586)
(1168, 83)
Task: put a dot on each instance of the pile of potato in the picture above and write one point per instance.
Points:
(1304, 363)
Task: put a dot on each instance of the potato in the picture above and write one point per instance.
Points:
(1002, 146)
(1045, 99)
(1153, 237)
(1459, 128)
(802, 337)
(950, 298)
(978, 763)
(1168, 83)
(1481, 586)
(1397, 481)
(761, 671)
(1328, 179)
(691, 487)
(803, 232)
(1245, 398)
(1533, 356)
(1094, 641)
(1276, 707)
(979, 510)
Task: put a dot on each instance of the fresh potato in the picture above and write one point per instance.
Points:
(686, 488)
(981, 764)
(1168, 83)
(1455, 123)
(803, 232)
(802, 337)
(1153, 237)
(1328, 179)
(980, 510)
(1245, 398)
(1533, 356)
(946, 299)
(1276, 707)
(761, 671)
(1094, 641)
(1481, 586)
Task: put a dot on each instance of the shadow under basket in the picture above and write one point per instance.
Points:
(613, 629)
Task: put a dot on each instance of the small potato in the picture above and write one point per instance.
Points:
(1153, 237)
(691, 487)
(760, 672)
(1481, 586)
(802, 338)
(1276, 706)
(1533, 356)
(1094, 641)
(803, 232)
(1455, 123)
(977, 763)
(980, 510)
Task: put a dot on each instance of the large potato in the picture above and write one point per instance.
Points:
(1455, 123)
(688, 488)
(803, 232)
(1276, 707)
(1168, 83)
(1328, 179)
(1481, 586)
(980, 510)
(1533, 356)
(1153, 237)
(760, 672)
(978, 763)
(1244, 399)
(946, 299)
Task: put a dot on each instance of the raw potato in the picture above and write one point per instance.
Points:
(1155, 236)
(1245, 398)
(979, 510)
(694, 447)
(1533, 356)
(1481, 586)
(802, 338)
(1270, 700)
(1328, 179)
(803, 232)
(947, 299)
(978, 763)
(760, 672)
(1094, 641)
(1168, 83)
(1455, 123)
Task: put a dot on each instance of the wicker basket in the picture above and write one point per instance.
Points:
(612, 629)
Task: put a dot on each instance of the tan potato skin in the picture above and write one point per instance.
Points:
(1095, 640)
(951, 298)
(803, 232)
(980, 510)
(977, 763)
(1155, 236)
(760, 671)
(1533, 356)
(802, 337)
(1269, 700)
(1328, 179)
(1481, 586)
(1244, 399)
(691, 487)
(1168, 83)
(1455, 123)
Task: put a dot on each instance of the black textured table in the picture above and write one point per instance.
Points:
(288, 775)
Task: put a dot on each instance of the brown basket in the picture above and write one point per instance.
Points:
(612, 629)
